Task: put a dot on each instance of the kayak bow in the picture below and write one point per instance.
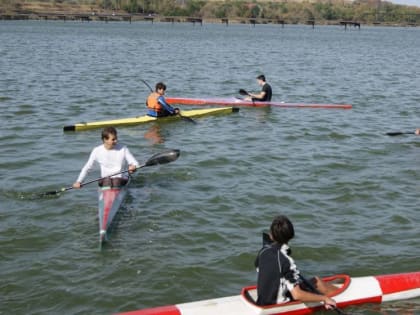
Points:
(232, 101)
(146, 119)
(350, 291)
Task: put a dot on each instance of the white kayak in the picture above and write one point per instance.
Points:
(350, 291)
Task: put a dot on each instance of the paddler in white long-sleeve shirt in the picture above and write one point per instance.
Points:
(112, 158)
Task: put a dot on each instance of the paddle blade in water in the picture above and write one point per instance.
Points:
(163, 157)
(243, 92)
(54, 192)
(50, 193)
(189, 119)
(398, 133)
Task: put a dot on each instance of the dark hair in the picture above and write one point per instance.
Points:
(261, 77)
(107, 132)
(160, 85)
(282, 229)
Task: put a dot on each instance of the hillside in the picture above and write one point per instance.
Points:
(289, 11)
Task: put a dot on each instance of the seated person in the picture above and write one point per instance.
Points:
(157, 105)
(265, 94)
(279, 279)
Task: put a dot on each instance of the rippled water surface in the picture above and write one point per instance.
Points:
(190, 230)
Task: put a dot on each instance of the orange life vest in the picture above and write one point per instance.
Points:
(152, 102)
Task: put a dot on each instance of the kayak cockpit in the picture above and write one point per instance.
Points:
(250, 295)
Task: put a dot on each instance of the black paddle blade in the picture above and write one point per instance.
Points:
(339, 311)
(163, 157)
(398, 133)
(189, 119)
(50, 193)
(54, 192)
(243, 92)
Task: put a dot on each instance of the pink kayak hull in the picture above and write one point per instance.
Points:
(109, 203)
(231, 101)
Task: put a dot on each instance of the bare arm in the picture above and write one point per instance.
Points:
(259, 96)
(304, 296)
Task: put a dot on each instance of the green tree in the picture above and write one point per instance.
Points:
(255, 11)
(107, 4)
(133, 7)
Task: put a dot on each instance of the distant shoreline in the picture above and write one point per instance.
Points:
(124, 17)
(335, 12)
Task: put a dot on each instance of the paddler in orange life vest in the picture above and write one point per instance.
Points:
(157, 105)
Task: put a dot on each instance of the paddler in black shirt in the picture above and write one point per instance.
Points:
(265, 94)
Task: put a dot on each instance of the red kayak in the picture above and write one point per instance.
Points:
(350, 291)
(232, 101)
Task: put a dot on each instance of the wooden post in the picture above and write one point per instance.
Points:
(149, 18)
(355, 24)
(311, 22)
(193, 20)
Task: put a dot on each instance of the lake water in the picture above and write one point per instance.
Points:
(190, 230)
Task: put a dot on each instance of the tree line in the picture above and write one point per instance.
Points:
(366, 11)
(322, 11)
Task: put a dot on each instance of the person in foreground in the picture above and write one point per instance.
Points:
(265, 94)
(279, 279)
(112, 158)
(417, 132)
(157, 105)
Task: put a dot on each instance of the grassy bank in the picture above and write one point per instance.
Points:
(323, 12)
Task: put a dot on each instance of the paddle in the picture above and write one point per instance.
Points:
(179, 113)
(159, 158)
(244, 92)
(398, 133)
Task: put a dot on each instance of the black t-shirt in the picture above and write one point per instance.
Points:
(268, 93)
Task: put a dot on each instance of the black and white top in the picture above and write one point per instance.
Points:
(277, 274)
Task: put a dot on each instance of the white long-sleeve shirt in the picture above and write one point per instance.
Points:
(110, 161)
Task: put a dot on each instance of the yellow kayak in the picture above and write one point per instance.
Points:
(145, 119)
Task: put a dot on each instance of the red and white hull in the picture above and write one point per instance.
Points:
(232, 101)
(110, 201)
(350, 291)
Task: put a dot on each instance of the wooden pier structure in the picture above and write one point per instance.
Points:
(116, 17)
(84, 17)
(351, 23)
